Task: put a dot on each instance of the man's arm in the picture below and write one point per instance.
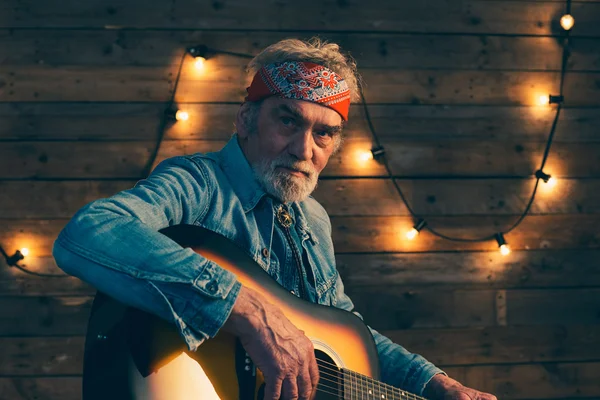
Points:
(409, 371)
(114, 244)
(399, 367)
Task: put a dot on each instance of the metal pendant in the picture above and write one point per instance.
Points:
(284, 217)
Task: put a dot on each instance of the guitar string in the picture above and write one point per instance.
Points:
(346, 382)
(359, 386)
(352, 393)
(367, 379)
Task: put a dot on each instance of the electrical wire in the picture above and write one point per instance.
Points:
(164, 120)
(21, 268)
(170, 103)
(565, 57)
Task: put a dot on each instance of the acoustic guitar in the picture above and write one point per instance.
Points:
(131, 354)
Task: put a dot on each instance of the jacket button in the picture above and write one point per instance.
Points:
(212, 287)
(265, 252)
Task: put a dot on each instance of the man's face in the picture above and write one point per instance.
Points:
(289, 144)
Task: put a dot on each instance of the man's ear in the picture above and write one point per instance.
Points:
(241, 121)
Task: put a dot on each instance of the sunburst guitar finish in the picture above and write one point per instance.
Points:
(131, 354)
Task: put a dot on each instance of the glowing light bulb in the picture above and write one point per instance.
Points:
(182, 115)
(567, 21)
(413, 233)
(551, 182)
(544, 99)
(199, 62)
(365, 156)
(504, 250)
(24, 251)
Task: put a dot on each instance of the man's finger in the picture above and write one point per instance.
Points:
(305, 386)
(313, 370)
(289, 389)
(273, 388)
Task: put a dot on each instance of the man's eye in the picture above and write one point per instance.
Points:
(324, 134)
(287, 121)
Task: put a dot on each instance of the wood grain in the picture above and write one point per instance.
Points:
(522, 269)
(532, 381)
(468, 16)
(140, 121)
(469, 270)
(341, 197)
(382, 234)
(387, 307)
(447, 159)
(383, 85)
(502, 345)
(43, 315)
(91, 47)
(41, 356)
(26, 356)
(40, 388)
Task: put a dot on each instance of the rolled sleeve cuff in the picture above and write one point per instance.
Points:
(420, 380)
(215, 281)
(199, 317)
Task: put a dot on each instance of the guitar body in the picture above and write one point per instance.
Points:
(131, 354)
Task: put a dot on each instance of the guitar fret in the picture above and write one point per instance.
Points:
(357, 386)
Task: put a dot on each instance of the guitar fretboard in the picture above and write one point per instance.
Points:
(347, 384)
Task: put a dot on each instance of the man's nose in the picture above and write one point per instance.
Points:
(302, 145)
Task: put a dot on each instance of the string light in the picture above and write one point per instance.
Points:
(548, 179)
(200, 54)
(13, 261)
(414, 232)
(371, 154)
(182, 115)
(567, 21)
(18, 256)
(552, 99)
(544, 99)
(174, 114)
(504, 247)
(365, 156)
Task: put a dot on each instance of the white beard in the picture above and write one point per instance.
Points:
(282, 185)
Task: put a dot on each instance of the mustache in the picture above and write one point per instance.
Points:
(296, 165)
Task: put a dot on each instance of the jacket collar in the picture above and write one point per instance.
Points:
(241, 175)
(246, 186)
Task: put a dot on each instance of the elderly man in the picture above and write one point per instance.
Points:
(255, 192)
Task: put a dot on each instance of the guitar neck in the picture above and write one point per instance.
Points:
(357, 386)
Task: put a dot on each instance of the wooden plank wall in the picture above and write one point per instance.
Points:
(453, 86)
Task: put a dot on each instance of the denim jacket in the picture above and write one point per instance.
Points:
(114, 244)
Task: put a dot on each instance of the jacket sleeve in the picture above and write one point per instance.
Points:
(399, 367)
(114, 244)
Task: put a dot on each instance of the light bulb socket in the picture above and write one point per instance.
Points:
(198, 51)
(420, 225)
(552, 99)
(542, 175)
(15, 258)
(500, 239)
(377, 151)
(171, 113)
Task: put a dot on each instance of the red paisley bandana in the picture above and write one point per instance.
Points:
(301, 81)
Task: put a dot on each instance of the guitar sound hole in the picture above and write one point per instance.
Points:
(331, 382)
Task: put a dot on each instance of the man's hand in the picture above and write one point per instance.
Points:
(441, 387)
(281, 351)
